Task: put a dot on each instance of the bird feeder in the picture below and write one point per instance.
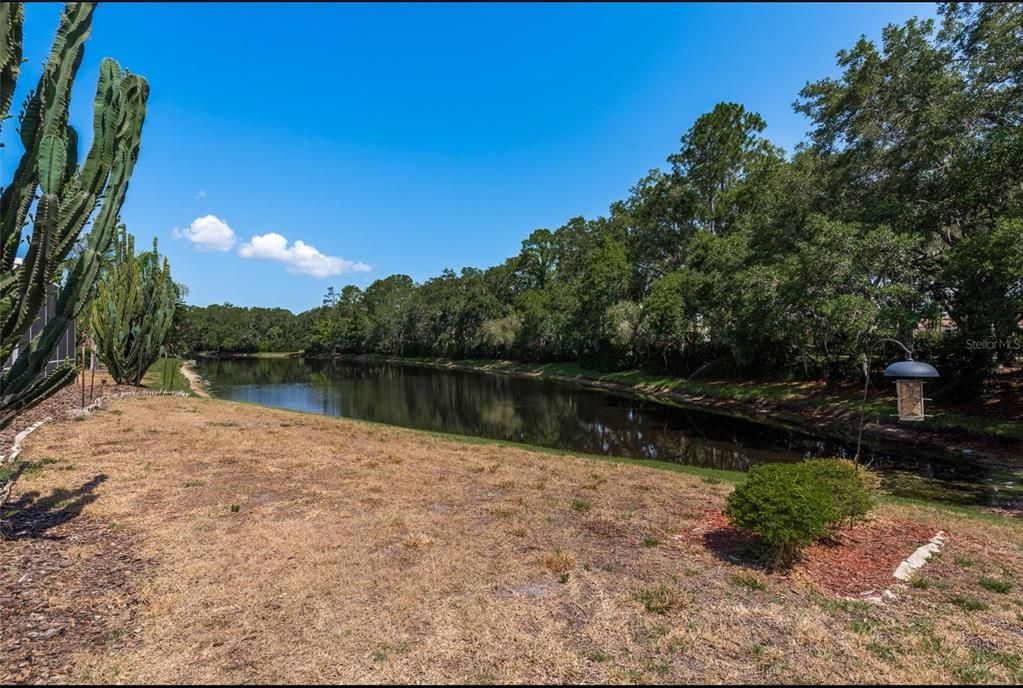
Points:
(909, 381)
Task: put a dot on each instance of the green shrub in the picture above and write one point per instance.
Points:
(848, 484)
(785, 505)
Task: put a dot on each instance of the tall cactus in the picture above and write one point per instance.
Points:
(132, 311)
(66, 196)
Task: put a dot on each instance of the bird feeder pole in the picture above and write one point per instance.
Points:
(909, 378)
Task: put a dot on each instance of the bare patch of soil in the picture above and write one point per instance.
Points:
(195, 380)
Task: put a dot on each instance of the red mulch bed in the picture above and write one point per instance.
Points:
(861, 560)
(852, 562)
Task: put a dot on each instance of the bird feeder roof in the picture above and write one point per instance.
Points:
(910, 369)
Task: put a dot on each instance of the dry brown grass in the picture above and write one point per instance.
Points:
(558, 562)
(362, 553)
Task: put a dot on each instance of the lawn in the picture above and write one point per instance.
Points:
(166, 374)
(225, 542)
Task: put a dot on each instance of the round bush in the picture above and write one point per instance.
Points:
(784, 505)
(848, 484)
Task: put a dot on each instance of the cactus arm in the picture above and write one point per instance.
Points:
(85, 269)
(45, 113)
(104, 125)
(12, 17)
(71, 196)
(25, 300)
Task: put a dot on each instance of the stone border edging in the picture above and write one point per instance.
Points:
(19, 438)
(910, 565)
(6, 459)
(920, 557)
(98, 402)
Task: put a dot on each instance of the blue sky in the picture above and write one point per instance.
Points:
(410, 138)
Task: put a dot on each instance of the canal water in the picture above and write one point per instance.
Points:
(566, 416)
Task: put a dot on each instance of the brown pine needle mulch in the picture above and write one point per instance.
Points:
(191, 540)
(67, 583)
(59, 406)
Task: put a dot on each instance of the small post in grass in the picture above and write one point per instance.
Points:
(82, 368)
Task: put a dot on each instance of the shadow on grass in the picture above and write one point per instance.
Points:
(740, 548)
(33, 515)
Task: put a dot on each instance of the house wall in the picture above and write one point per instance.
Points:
(65, 350)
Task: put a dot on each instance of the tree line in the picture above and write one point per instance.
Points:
(900, 215)
(229, 329)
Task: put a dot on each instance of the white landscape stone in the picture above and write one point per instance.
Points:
(918, 558)
(906, 569)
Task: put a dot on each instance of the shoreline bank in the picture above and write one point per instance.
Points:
(195, 381)
(772, 403)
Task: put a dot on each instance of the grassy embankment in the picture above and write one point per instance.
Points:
(288, 547)
(797, 396)
(170, 374)
(711, 476)
(166, 374)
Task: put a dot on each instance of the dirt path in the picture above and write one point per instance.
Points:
(195, 381)
(288, 547)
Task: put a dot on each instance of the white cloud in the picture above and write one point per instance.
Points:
(298, 257)
(208, 233)
(201, 194)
